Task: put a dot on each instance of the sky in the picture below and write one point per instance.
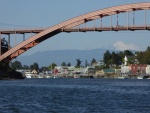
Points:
(47, 13)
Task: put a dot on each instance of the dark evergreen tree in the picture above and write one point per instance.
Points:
(120, 57)
(78, 62)
(69, 64)
(34, 66)
(148, 49)
(107, 58)
(52, 66)
(93, 61)
(16, 65)
(63, 64)
(25, 67)
(127, 52)
(86, 63)
(114, 58)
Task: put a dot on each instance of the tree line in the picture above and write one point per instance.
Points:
(117, 58)
(16, 65)
(109, 59)
(144, 56)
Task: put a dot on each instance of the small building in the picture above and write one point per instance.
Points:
(64, 70)
(90, 70)
(34, 72)
(137, 69)
(130, 59)
(108, 71)
(125, 70)
(99, 63)
(61, 70)
(148, 70)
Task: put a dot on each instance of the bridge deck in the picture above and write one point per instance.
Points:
(113, 28)
(106, 29)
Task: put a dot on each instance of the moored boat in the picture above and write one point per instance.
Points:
(28, 75)
(76, 76)
(139, 77)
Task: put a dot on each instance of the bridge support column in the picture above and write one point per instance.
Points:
(145, 19)
(23, 36)
(15, 39)
(127, 19)
(8, 41)
(0, 45)
(101, 22)
(133, 17)
(111, 20)
(117, 19)
(94, 24)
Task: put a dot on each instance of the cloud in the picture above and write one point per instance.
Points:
(122, 46)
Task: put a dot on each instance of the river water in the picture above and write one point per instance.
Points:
(75, 96)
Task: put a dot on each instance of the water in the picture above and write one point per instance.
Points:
(75, 96)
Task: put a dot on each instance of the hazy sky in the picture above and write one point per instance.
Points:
(46, 13)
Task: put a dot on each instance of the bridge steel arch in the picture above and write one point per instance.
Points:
(68, 24)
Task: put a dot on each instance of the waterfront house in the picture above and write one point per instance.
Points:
(130, 60)
(148, 70)
(108, 71)
(90, 70)
(99, 63)
(135, 69)
(34, 72)
(64, 70)
(125, 70)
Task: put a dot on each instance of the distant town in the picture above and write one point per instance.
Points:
(121, 65)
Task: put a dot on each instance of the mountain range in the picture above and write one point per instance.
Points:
(45, 58)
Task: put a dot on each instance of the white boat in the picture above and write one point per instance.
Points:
(76, 76)
(139, 77)
(121, 77)
(28, 75)
(39, 76)
(56, 76)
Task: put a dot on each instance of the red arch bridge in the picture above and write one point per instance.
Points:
(82, 23)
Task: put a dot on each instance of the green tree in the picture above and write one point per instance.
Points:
(107, 58)
(114, 58)
(16, 65)
(127, 52)
(148, 49)
(93, 61)
(86, 63)
(34, 66)
(25, 67)
(144, 57)
(43, 69)
(52, 66)
(78, 62)
(120, 57)
(69, 64)
(63, 64)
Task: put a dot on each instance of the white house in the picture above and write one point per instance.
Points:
(148, 69)
(130, 58)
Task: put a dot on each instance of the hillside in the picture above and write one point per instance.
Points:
(58, 56)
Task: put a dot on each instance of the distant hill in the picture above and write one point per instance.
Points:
(58, 56)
